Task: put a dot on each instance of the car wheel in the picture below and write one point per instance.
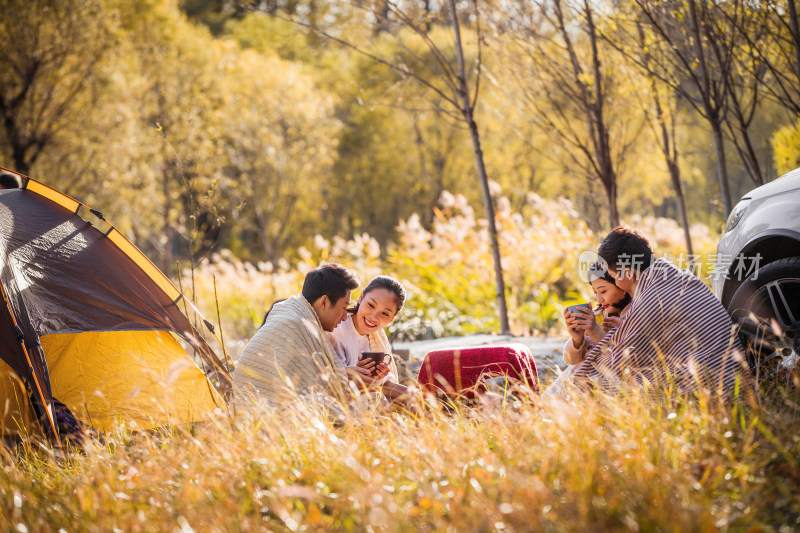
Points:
(766, 307)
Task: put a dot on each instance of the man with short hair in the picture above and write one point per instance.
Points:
(290, 356)
(674, 333)
(9, 181)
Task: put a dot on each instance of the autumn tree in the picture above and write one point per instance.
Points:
(569, 87)
(662, 118)
(49, 61)
(746, 82)
(695, 55)
(445, 70)
(225, 146)
(280, 151)
(772, 35)
(767, 67)
(397, 150)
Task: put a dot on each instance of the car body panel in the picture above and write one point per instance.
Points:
(785, 183)
(773, 211)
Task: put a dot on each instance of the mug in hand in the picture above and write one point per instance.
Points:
(377, 358)
(587, 308)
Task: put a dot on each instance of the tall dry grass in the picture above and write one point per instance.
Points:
(595, 464)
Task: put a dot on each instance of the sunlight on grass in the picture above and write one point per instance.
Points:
(598, 463)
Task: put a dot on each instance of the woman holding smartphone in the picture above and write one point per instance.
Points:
(362, 332)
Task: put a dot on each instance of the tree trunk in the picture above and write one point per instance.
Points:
(670, 151)
(467, 111)
(20, 163)
(18, 149)
(611, 196)
(670, 154)
(712, 111)
(756, 175)
(488, 205)
(722, 168)
(597, 119)
(747, 153)
(675, 176)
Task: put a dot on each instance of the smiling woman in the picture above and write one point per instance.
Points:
(375, 312)
(376, 308)
(362, 333)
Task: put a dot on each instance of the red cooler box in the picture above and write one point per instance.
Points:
(459, 371)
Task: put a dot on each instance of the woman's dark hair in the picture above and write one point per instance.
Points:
(391, 285)
(626, 247)
(331, 280)
(598, 271)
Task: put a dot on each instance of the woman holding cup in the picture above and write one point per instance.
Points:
(582, 325)
(582, 322)
(361, 343)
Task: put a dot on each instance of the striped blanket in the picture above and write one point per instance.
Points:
(288, 357)
(674, 332)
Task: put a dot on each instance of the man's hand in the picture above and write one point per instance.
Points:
(611, 322)
(361, 376)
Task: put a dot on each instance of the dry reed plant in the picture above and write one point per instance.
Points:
(597, 463)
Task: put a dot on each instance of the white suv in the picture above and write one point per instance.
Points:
(757, 275)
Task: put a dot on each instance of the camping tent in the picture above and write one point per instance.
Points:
(86, 319)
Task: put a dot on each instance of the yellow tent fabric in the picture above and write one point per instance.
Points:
(141, 378)
(16, 415)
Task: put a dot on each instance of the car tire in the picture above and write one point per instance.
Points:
(766, 308)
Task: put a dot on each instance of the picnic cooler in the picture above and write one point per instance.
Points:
(460, 371)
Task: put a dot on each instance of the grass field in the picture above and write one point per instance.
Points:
(596, 464)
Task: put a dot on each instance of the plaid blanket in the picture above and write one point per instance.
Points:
(460, 371)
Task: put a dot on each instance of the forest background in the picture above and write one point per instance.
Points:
(244, 142)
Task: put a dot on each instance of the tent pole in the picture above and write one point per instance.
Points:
(30, 366)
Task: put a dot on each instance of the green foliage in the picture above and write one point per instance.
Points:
(257, 134)
(269, 35)
(262, 138)
(52, 67)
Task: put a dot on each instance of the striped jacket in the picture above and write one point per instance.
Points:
(674, 333)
